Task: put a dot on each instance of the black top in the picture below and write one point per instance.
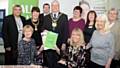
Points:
(61, 28)
(88, 33)
(36, 34)
(10, 31)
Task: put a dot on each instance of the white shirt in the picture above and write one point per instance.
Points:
(56, 14)
(111, 25)
(45, 14)
(19, 27)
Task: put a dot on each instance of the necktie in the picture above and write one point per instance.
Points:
(54, 17)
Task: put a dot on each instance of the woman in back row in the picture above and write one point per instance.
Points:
(88, 30)
(90, 25)
(76, 21)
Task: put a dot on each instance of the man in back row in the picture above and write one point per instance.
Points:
(114, 25)
(56, 22)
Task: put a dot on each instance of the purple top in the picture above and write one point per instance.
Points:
(73, 24)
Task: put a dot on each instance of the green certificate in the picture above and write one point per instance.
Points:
(50, 40)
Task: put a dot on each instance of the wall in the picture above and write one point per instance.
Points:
(115, 4)
(66, 6)
(4, 5)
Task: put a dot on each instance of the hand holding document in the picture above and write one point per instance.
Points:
(49, 39)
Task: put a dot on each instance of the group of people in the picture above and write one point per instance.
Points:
(90, 43)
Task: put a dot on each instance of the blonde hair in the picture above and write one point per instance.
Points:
(105, 21)
(27, 27)
(80, 33)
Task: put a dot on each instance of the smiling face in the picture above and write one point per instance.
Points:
(55, 7)
(76, 13)
(46, 9)
(28, 33)
(75, 36)
(100, 23)
(17, 11)
(35, 14)
(112, 15)
(91, 16)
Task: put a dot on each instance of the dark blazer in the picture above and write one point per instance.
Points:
(61, 29)
(10, 31)
(41, 16)
(36, 34)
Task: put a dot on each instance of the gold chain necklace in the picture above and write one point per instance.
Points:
(35, 25)
(54, 21)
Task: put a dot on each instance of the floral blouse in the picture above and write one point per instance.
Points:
(26, 52)
(73, 56)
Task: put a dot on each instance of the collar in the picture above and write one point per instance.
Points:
(45, 14)
(111, 25)
(56, 14)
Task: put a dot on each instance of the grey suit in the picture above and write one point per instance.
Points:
(115, 29)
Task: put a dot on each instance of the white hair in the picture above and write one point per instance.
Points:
(55, 2)
(105, 19)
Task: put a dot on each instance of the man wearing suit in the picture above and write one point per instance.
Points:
(56, 22)
(12, 34)
(46, 11)
(115, 29)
